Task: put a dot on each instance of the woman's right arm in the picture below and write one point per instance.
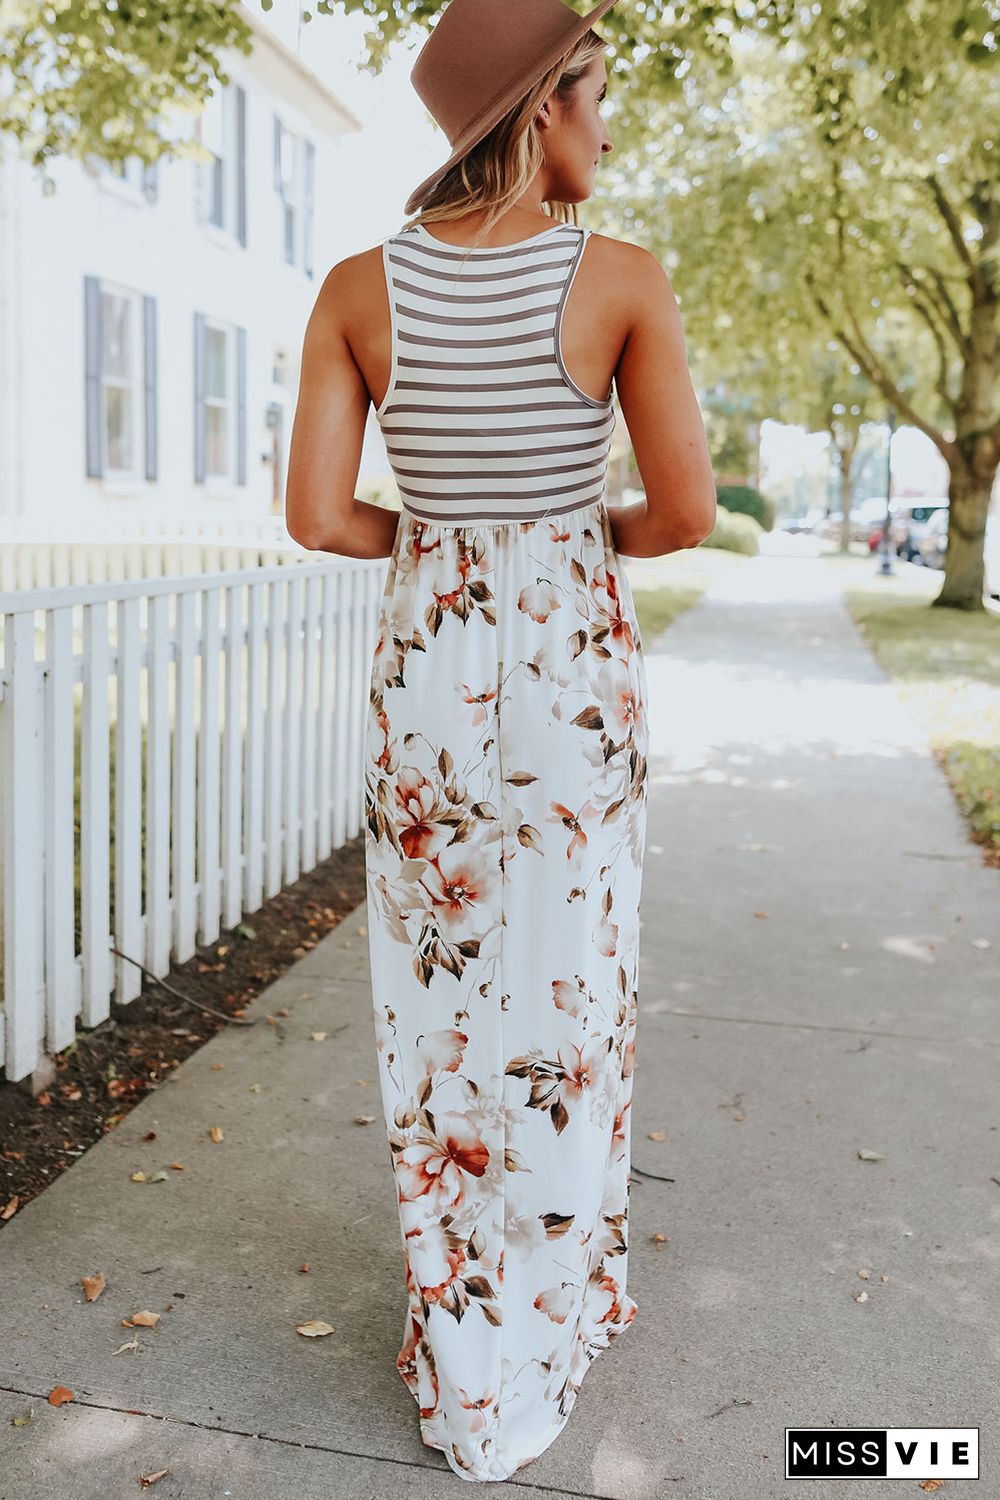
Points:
(664, 420)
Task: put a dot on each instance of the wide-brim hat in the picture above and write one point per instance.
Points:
(481, 58)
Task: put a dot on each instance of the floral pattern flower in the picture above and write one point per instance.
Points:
(505, 814)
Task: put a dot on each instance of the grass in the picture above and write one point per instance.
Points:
(945, 666)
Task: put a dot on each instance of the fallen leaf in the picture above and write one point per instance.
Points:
(93, 1286)
(44, 1098)
(216, 1067)
(930, 1484)
(216, 1133)
(762, 914)
(304, 1266)
(284, 1011)
(157, 1177)
(147, 1479)
(150, 1135)
(314, 1329)
(865, 1275)
(177, 1166)
(129, 1348)
(142, 1319)
(364, 1119)
(656, 1135)
(255, 1088)
(59, 1395)
(22, 1418)
(138, 1177)
(10, 1208)
(867, 1155)
(319, 1036)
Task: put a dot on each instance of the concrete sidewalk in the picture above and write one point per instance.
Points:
(811, 986)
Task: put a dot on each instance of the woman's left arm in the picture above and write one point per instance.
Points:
(322, 512)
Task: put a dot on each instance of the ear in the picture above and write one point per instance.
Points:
(543, 118)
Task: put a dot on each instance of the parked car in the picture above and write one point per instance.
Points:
(909, 517)
(933, 543)
(934, 548)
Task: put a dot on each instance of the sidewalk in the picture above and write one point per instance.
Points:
(810, 987)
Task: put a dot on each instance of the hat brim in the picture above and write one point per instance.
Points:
(499, 108)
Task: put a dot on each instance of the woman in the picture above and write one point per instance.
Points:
(506, 742)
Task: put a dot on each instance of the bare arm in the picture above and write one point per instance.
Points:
(321, 510)
(664, 421)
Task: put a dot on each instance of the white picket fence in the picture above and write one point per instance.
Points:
(99, 550)
(172, 753)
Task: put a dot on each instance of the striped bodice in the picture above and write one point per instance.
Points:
(481, 420)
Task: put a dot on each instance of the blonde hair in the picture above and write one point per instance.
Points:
(494, 174)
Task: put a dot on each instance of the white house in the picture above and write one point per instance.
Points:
(151, 319)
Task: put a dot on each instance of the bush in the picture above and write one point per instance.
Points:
(743, 500)
(733, 532)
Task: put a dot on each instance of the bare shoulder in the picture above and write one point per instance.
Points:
(348, 286)
(637, 277)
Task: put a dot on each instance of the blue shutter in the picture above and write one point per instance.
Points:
(308, 211)
(149, 383)
(92, 374)
(241, 164)
(199, 397)
(241, 406)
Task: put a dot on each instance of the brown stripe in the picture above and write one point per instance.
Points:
(528, 513)
(481, 411)
(468, 387)
(497, 477)
(564, 489)
(487, 276)
(517, 452)
(443, 319)
(487, 432)
(521, 338)
(471, 517)
(480, 298)
(477, 364)
(503, 252)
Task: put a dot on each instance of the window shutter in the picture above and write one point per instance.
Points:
(149, 383)
(241, 406)
(277, 154)
(199, 397)
(151, 180)
(241, 164)
(92, 373)
(308, 214)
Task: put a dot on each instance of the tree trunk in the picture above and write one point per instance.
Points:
(964, 563)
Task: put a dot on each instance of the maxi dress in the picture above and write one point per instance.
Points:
(505, 801)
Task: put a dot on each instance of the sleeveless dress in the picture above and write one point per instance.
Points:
(505, 801)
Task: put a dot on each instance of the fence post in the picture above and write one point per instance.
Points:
(23, 896)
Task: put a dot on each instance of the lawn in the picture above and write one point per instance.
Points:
(946, 668)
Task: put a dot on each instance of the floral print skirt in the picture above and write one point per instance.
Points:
(505, 791)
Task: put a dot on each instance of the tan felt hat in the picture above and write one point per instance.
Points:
(481, 58)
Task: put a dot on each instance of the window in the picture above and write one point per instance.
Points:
(220, 401)
(133, 175)
(222, 132)
(120, 381)
(294, 181)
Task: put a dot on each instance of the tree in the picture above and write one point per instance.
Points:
(817, 182)
(85, 78)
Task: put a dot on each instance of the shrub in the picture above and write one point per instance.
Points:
(743, 500)
(734, 532)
